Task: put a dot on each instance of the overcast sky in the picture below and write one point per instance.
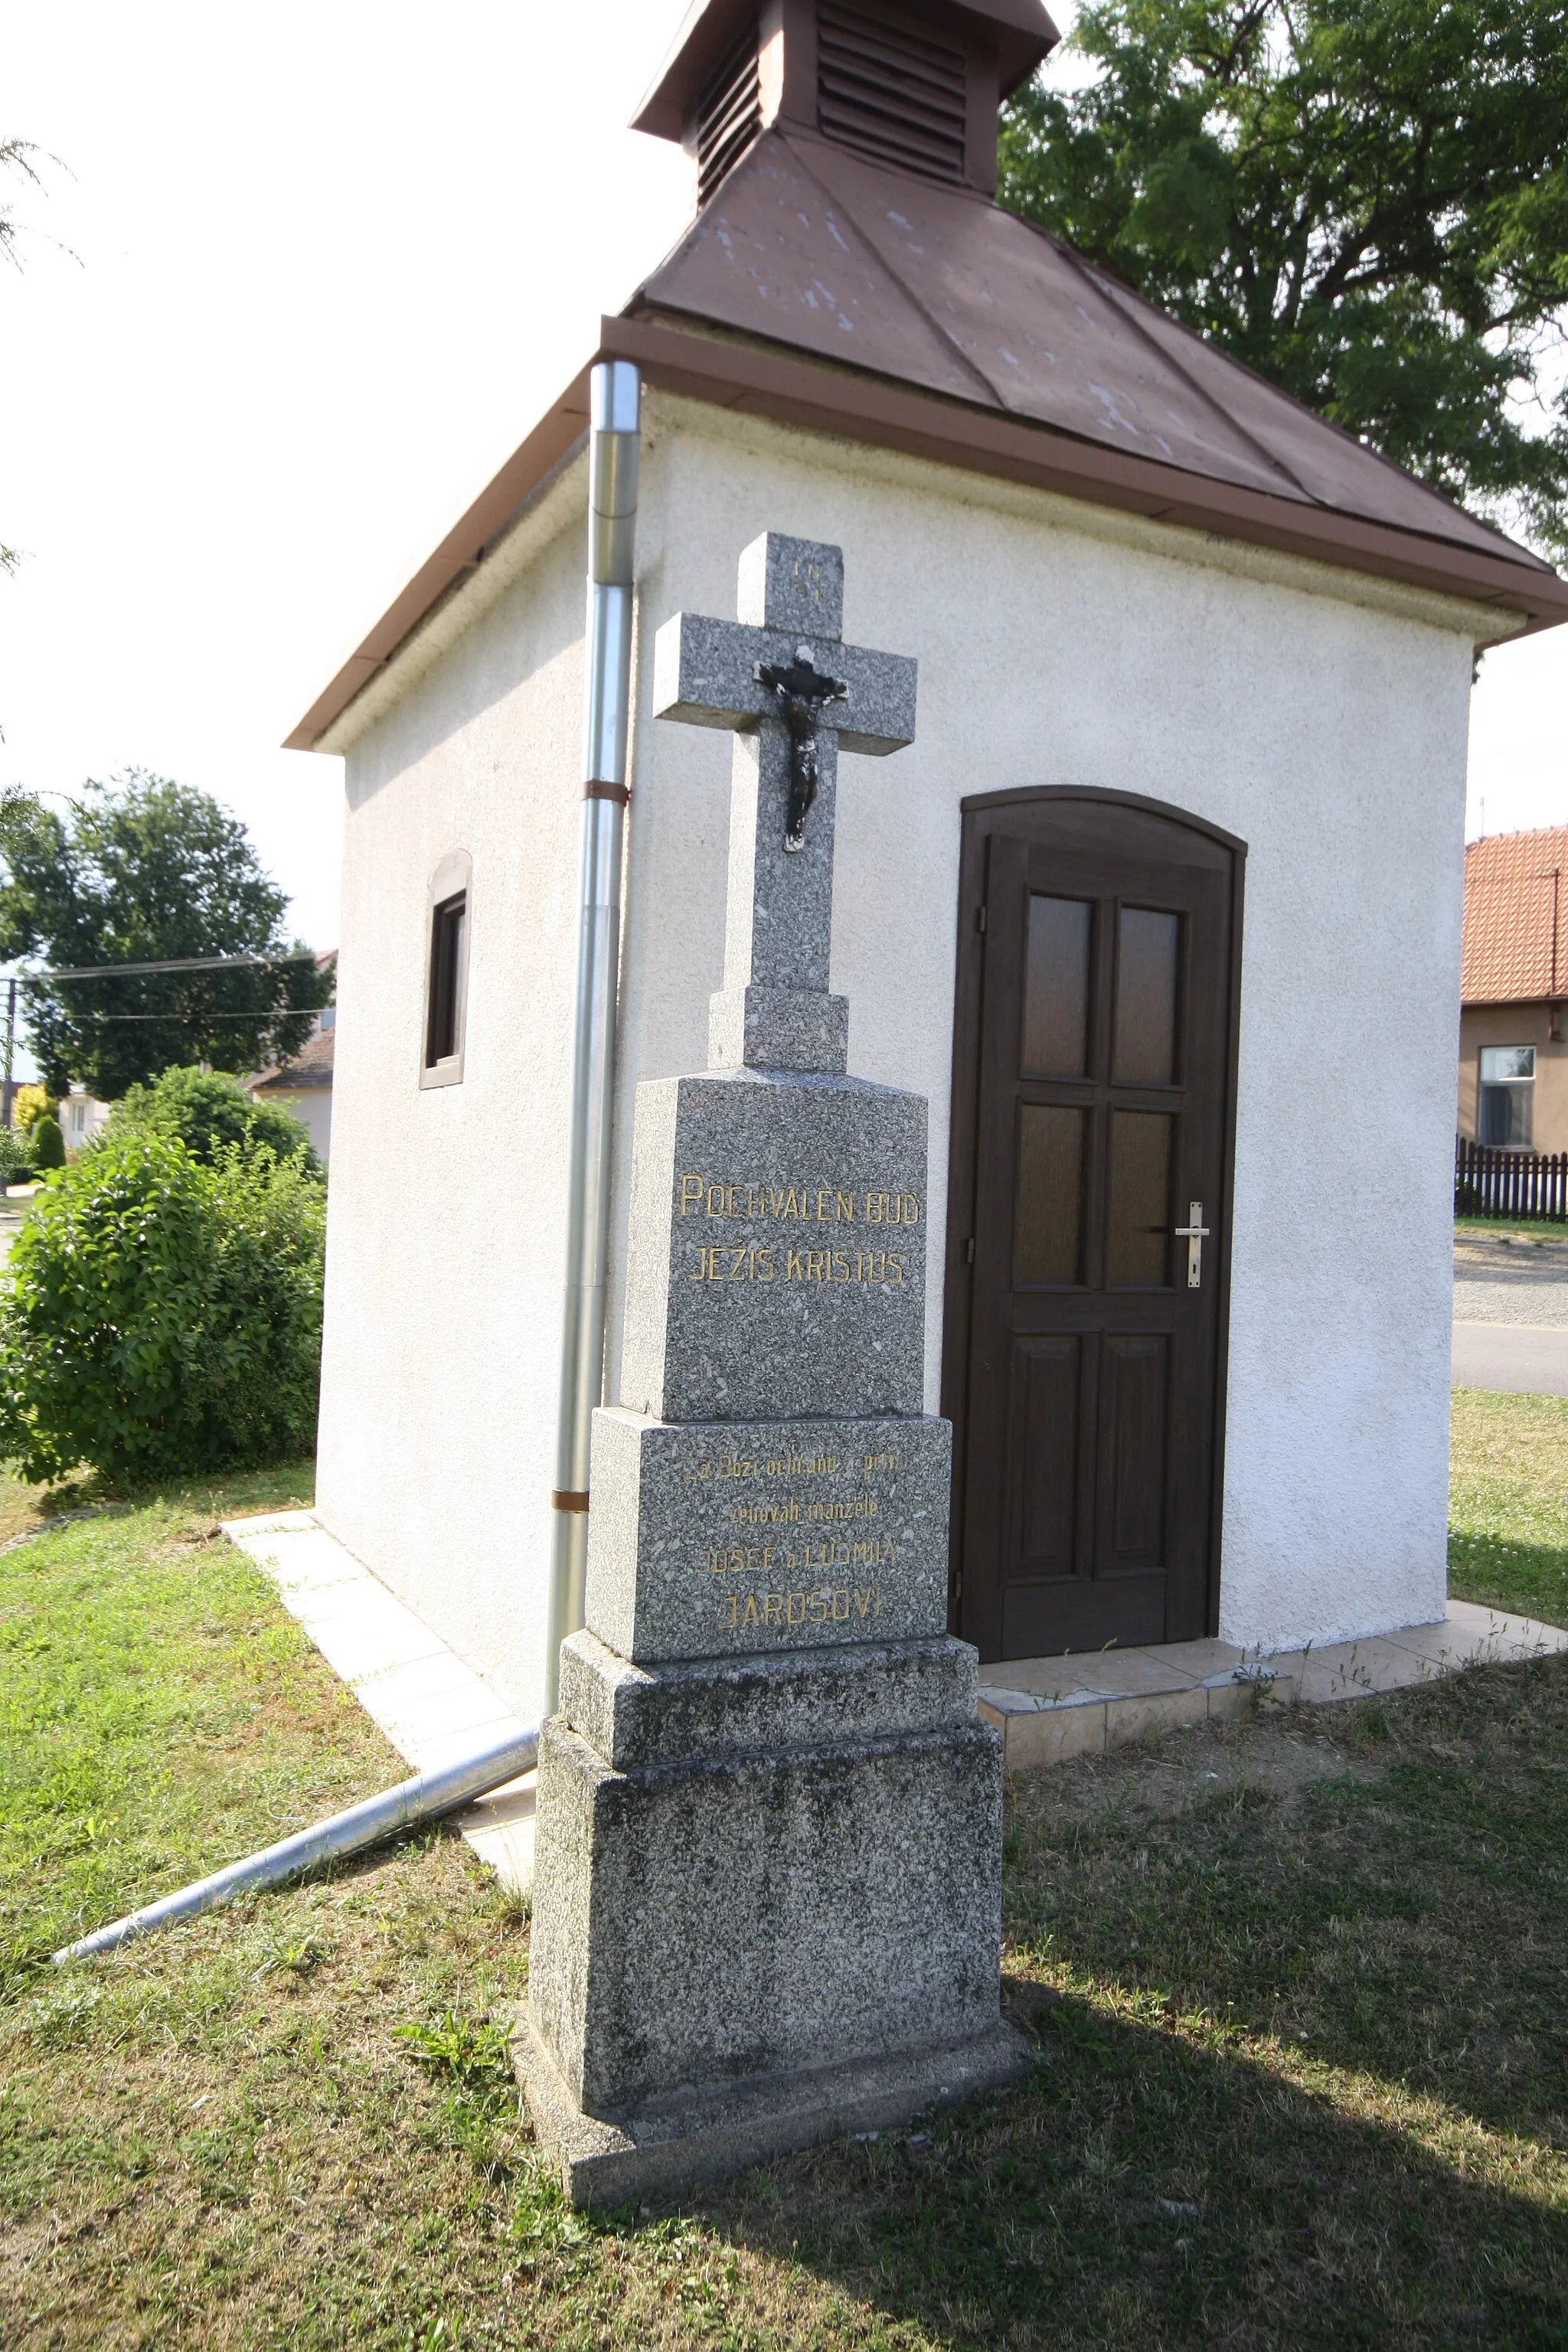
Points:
(314, 270)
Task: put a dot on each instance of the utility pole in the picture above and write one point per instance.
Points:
(8, 1092)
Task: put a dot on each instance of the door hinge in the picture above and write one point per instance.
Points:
(969, 1251)
(980, 920)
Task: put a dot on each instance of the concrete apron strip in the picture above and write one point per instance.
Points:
(1049, 1710)
(432, 1707)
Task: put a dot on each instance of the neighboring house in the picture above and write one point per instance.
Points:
(1513, 1060)
(1166, 622)
(82, 1116)
(303, 1088)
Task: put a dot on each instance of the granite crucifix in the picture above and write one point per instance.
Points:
(795, 695)
(767, 1901)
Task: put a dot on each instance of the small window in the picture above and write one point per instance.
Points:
(446, 986)
(1508, 1087)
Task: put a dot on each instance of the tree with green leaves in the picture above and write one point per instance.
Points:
(148, 871)
(1365, 200)
(210, 1113)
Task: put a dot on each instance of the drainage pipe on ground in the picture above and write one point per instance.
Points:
(423, 1797)
(613, 448)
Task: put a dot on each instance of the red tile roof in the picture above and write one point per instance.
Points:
(1516, 918)
(311, 1066)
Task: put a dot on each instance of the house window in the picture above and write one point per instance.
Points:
(1507, 1085)
(447, 971)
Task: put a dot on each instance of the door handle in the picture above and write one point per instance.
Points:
(1194, 1233)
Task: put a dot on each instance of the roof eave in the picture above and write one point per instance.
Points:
(854, 405)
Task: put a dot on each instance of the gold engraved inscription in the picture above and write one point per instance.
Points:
(727, 1262)
(841, 1605)
(821, 1204)
(831, 1552)
(806, 1537)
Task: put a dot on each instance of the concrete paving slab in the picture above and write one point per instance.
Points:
(1519, 1637)
(1359, 1669)
(1452, 1647)
(1205, 1660)
(1039, 1727)
(434, 1708)
(1099, 1673)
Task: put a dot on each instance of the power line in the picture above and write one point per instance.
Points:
(263, 1020)
(175, 963)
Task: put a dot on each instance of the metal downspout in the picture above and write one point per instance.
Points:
(614, 445)
(425, 1798)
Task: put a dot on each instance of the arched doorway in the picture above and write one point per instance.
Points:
(1093, 1124)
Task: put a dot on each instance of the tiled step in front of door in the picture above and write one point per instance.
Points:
(1047, 1709)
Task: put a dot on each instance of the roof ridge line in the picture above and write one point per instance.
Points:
(1266, 384)
(880, 259)
(1111, 289)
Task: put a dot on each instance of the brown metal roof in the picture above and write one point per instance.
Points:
(863, 302)
(1516, 918)
(811, 246)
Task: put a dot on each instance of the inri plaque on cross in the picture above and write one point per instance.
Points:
(795, 695)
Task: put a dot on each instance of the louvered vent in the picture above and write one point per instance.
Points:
(730, 115)
(891, 90)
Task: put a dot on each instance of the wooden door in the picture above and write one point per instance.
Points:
(1093, 1113)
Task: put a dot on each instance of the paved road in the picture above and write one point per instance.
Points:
(1510, 1316)
(1528, 1357)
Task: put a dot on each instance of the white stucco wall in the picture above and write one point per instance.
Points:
(1320, 717)
(313, 1106)
(445, 1205)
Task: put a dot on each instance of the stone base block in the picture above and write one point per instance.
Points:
(705, 1708)
(701, 1923)
(717, 1540)
(776, 1250)
(674, 2143)
(778, 1029)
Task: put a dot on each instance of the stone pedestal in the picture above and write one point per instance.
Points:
(767, 1889)
(768, 1868)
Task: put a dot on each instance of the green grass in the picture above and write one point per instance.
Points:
(157, 1716)
(1508, 1502)
(1296, 1991)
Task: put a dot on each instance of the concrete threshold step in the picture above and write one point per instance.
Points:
(1049, 1710)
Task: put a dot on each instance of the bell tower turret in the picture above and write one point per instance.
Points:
(913, 84)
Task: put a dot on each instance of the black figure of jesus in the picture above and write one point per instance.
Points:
(801, 692)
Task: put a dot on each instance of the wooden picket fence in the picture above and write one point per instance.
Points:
(1489, 1183)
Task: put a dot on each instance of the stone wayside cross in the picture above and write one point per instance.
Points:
(767, 1900)
(795, 694)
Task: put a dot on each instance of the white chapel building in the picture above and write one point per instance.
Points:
(1160, 910)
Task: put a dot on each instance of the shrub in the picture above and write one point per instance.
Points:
(29, 1103)
(46, 1145)
(208, 1113)
(161, 1317)
(15, 1157)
